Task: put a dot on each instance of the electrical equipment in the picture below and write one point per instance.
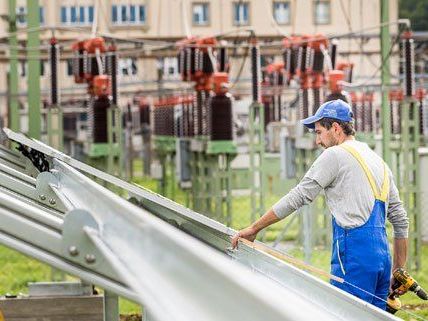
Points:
(221, 123)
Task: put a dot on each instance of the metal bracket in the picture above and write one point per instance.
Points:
(45, 193)
(78, 247)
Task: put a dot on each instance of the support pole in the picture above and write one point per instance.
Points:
(111, 306)
(13, 121)
(385, 44)
(33, 42)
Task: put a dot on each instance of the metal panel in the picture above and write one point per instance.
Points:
(179, 278)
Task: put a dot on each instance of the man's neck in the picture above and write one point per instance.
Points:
(345, 138)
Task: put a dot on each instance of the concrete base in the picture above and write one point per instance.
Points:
(73, 308)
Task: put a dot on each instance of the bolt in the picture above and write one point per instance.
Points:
(90, 258)
(42, 197)
(73, 250)
(52, 201)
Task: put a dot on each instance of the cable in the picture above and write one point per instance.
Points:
(274, 23)
(348, 22)
(244, 59)
(303, 265)
(347, 84)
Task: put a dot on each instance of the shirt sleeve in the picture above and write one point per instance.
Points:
(396, 213)
(321, 174)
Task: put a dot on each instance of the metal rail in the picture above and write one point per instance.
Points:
(151, 251)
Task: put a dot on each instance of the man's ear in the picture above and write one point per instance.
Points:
(336, 126)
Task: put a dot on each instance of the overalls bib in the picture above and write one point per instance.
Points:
(361, 255)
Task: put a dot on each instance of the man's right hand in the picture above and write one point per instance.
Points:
(249, 233)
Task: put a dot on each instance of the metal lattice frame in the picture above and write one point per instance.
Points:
(133, 251)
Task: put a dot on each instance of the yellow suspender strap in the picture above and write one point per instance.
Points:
(369, 175)
(385, 186)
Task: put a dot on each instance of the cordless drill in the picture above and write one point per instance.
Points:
(403, 282)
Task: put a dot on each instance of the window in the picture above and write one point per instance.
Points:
(63, 15)
(42, 15)
(69, 67)
(281, 12)
(73, 18)
(322, 12)
(128, 14)
(240, 13)
(77, 15)
(42, 67)
(21, 16)
(128, 66)
(170, 68)
(200, 14)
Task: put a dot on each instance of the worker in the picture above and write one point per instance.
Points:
(361, 194)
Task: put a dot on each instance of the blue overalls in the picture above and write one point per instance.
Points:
(361, 255)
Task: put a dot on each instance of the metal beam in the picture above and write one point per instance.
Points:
(169, 270)
(385, 45)
(13, 120)
(33, 58)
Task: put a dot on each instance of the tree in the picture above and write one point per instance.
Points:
(416, 11)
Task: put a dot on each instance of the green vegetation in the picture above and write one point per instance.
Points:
(416, 11)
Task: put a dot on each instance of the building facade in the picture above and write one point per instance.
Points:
(166, 21)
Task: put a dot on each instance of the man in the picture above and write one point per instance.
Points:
(360, 193)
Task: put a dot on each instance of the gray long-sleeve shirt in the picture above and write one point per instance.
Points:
(348, 194)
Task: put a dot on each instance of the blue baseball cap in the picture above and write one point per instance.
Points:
(335, 109)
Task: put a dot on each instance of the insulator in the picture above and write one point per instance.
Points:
(368, 116)
(78, 62)
(178, 121)
(207, 63)
(420, 97)
(223, 60)
(354, 112)
(409, 66)
(278, 118)
(333, 53)
(112, 72)
(92, 66)
(268, 112)
(309, 58)
(317, 98)
(280, 78)
(190, 60)
(169, 125)
(99, 130)
(318, 64)
(255, 73)
(195, 60)
(205, 113)
(302, 59)
(145, 114)
(286, 57)
(53, 61)
(221, 123)
(304, 103)
(294, 57)
(197, 113)
(191, 114)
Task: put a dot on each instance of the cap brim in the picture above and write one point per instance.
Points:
(310, 121)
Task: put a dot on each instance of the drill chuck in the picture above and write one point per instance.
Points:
(421, 293)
